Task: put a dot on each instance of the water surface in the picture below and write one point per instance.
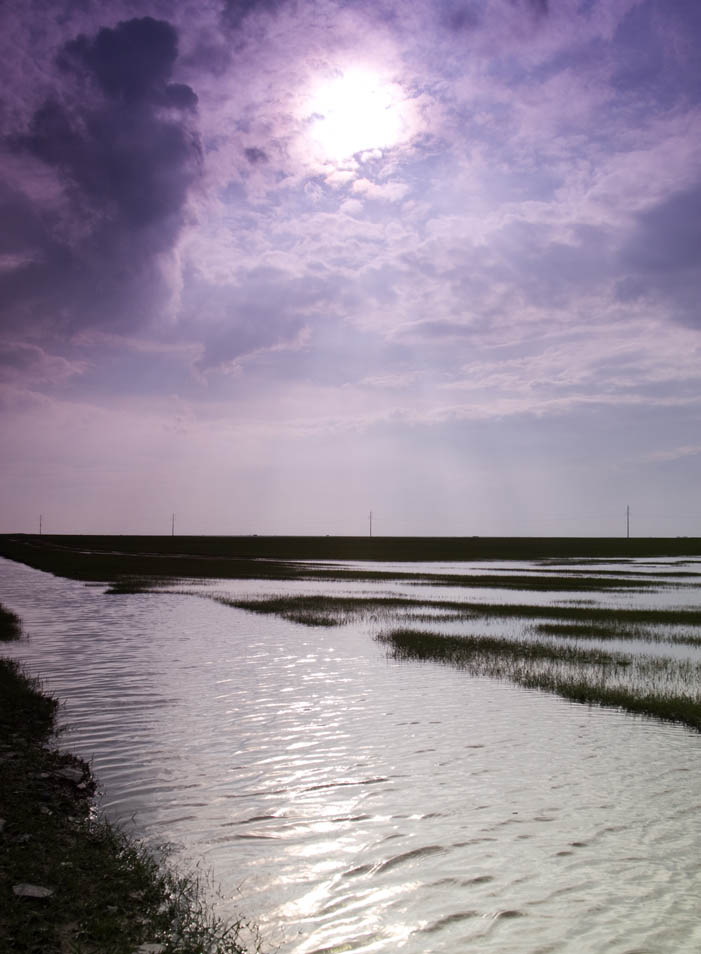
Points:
(346, 802)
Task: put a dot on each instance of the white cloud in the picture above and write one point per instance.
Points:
(388, 191)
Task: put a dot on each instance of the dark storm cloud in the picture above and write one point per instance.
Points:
(118, 137)
(136, 167)
(663, 257)
(131, 62)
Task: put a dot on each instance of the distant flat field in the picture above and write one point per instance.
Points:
(114, 557)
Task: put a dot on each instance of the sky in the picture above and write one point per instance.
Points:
(272, 264)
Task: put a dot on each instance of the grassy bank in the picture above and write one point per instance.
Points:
(117, 557)
(70, 882)
(10, 625)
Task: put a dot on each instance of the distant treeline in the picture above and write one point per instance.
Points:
(117, 557)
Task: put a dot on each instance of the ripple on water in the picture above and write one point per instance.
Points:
(349, 803)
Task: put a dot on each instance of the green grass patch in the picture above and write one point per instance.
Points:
(660, 687)
(669, 707)
(493, 651)
(320, 610)
(343, 608)
(596, 614)
(616, 632)
(499, 581)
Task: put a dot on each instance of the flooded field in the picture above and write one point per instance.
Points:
(347, 797)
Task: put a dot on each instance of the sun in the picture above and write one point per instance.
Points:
(353, 112)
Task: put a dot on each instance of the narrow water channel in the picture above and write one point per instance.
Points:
(346, 802)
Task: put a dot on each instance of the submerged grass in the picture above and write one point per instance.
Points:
(656, 685)
(340, 608)
(131, 585)
(71, 883)
(664, 688)
(322, 610)
(614, 631)
(142, 564)
(308, 610)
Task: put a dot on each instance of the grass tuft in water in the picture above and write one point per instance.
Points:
(308, 610)
(616, 631)
(132, 585)
(654, 686)
(345, 608)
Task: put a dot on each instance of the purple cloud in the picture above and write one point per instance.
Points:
(234, 12)
(255, 155)
(118, 138)
(462, 231)
(662, 257)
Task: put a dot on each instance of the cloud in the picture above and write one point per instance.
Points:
(132, 62)
(467, 18)
(676, 453)
(118, 139)
(351, 207)
(255, 155)
(20, 361)
(267, 310)
(234, 12)
(527, 248)
(27, 372)
(662, 257)
(388, 191)
(540, 8)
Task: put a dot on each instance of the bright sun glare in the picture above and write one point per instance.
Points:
(355, 112)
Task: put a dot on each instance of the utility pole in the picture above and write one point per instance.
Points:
(172, 526)
(371, 523)
(39, 524)
(627, 522)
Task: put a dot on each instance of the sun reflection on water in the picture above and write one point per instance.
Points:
(347, 802)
